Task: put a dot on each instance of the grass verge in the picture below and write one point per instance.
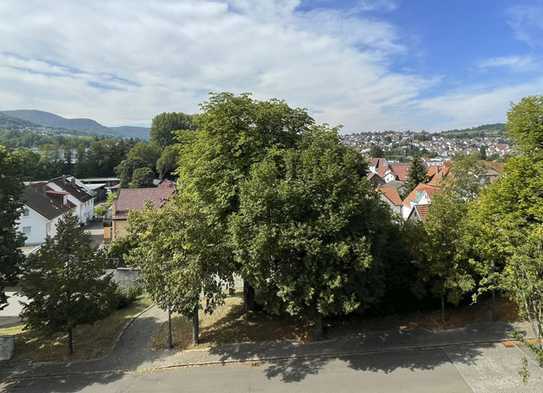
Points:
(228, 324)
(90, 341)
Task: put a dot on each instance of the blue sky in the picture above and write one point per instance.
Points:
(367, 64)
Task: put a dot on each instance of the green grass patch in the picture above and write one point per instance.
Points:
(90, 341)
(229, 324)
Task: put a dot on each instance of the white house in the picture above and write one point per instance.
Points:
(41, 212)
(76, 193)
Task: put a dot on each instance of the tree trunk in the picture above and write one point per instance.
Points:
(195, 327)
(70, 341)
(443, 308)
(317, 327)
(248, 296)
(493, 306)
(170, 336)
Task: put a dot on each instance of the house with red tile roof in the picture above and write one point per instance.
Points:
(419, 213)
(421, 195)
(389, 194)
(389, 171)
(134, 199)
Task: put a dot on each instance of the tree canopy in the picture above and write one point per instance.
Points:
(307, 234)
(165, 124)
(65, 282)
(11, 189)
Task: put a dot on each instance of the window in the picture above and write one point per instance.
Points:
(26, 230)
(26, 212)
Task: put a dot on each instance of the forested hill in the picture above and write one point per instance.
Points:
(34, 119)
(496, 129)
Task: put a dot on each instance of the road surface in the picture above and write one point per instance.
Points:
(491, 368)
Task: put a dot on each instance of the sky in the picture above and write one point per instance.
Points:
(368, 65)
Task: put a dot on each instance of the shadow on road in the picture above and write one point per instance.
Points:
(293, 362)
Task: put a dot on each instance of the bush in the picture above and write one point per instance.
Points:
(127, 296)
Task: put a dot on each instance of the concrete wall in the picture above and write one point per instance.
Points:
(125, 277)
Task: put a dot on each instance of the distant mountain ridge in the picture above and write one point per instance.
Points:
(494, 129)
(53, 121)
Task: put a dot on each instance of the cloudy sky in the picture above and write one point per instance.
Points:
(367, 64)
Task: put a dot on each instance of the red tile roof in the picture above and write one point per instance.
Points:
(428, 188)
(421, 211)
(381, 165)
(391, 193)
(401, 171)
(135, 198)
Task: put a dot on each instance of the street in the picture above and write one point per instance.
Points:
(457, 369)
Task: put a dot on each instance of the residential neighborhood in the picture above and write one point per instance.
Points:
(239, 196)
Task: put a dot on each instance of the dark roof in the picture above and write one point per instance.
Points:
(42, 204)
(72, 188)
(135, 198)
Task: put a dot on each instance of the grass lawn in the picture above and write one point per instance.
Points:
(228, 324)
(455, 317)
(90, 341)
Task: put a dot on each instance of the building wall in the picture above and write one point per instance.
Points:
(395, 209)
(120, 228)
(37, 224)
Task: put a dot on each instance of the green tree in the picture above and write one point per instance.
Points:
(142, 155)
(376, 151)
(309, 231)
(167, 163)
(417, 175)
(446, 267)
(233, 133)
(178, 261)
(11, 189)
(142, 177)
(525, 124)
(164, 126)
(65, 283)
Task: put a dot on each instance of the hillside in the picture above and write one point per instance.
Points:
(87, 126)
(496, 129)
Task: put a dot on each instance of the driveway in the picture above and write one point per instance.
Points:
(10, 315)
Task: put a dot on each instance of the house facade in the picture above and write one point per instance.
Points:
(41, 213)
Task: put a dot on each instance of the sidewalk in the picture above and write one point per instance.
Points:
(365, 343)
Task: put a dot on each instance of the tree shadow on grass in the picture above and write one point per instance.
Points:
(132, 351)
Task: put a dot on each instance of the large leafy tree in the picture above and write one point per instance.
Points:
(504, 224)
(165, 125)
(446, 267)
(65, 283)
(142, 155)
(234, 132)
(309, 230)
(11, 188)
(178, 260)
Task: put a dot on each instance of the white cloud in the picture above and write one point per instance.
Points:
(163, 56)
(378, 5)
(470, 108)
(515, 63)
(527, 23)
(123, 62)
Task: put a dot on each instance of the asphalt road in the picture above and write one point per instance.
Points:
(491, 368)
